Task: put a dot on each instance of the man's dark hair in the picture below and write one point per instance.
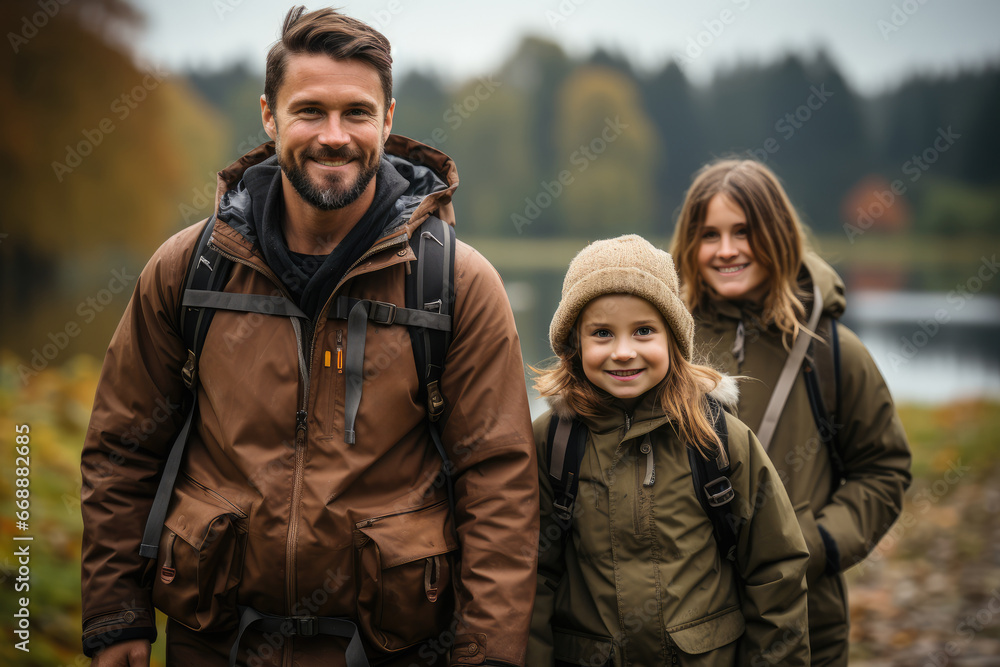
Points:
(335, 35)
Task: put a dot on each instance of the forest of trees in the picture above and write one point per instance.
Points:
(541, 114)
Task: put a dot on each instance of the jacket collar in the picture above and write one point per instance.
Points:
(433, 180)
(432, 176)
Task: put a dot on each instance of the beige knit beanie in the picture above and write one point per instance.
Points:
(624, 265)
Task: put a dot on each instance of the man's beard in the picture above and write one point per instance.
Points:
(333, 196)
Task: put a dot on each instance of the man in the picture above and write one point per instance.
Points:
(294, 503)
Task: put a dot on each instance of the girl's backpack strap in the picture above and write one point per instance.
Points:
(567, 441)
(713, 487)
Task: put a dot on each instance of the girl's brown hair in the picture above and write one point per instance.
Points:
(775, 235)
(681, 394)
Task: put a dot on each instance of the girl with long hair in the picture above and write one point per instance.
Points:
(767, 308)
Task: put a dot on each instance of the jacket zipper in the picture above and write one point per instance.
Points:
(374, 250)
(270, 275)
(366, 523)
(302, 421)
(302, 416)
(301, 430)
(109, 619)
(215, 494)
(738, 346)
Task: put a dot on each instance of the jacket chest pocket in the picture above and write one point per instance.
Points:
(200, 560)
(404, 564)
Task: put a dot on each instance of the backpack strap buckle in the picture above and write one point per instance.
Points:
(435, 401)
(189, 372)
(304, 626)
(562, 512)
(382, 313)
(722, 493)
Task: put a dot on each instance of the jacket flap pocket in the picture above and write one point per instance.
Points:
(709, 633)
(195, 510)
(580, 649)
(403, 538)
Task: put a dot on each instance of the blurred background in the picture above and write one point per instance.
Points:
(569, 120)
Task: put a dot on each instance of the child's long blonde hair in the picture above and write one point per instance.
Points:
(775, 234)
(682, 393)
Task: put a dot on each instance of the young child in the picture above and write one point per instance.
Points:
(837, 442)
(638, 578)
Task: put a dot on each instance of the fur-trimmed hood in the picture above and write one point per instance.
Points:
(726, 392)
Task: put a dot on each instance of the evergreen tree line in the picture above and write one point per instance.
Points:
(553, 146)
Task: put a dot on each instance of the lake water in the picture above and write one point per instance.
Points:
(931, 347)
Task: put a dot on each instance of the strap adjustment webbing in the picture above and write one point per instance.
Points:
(385, 314)
(302, 626)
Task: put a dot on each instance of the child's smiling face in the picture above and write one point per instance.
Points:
(624, 345)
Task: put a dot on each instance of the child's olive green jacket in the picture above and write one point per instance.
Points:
(640, 580)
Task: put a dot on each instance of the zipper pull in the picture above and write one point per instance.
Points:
(340, 351)
(647, 448)
(737, 350)
(167, 572)
(432, 572)
(300, 426)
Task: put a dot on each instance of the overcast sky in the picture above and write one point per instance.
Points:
(876, 43)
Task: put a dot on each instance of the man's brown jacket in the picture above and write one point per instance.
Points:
(272, 509)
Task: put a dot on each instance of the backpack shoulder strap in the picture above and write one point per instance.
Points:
(431, 288)
(208, 270)
(822, 379)
(713, 488)
(566, 442)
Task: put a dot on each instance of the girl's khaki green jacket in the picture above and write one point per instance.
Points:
(841, 521)
(640, 580)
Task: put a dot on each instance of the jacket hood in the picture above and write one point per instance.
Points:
(831, 285)
(431, 174)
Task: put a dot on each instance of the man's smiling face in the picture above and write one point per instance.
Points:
(329, 125)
